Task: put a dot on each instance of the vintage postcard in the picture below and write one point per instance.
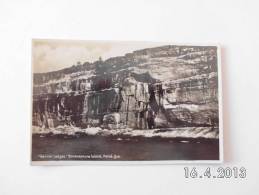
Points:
(125, 102)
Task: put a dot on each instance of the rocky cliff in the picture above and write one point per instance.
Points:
(179, 84)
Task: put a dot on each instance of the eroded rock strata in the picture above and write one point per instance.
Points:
(178, 83)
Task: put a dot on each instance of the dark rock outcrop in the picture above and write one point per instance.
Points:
(178, 83)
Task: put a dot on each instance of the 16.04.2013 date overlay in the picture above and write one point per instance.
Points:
(220, 172)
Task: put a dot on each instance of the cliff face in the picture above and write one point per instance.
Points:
(177, 83)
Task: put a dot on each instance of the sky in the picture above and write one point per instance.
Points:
(51, 55)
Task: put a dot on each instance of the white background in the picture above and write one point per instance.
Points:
(233, 24)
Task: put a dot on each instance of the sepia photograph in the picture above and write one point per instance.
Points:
(112, 97)
(125, 101)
